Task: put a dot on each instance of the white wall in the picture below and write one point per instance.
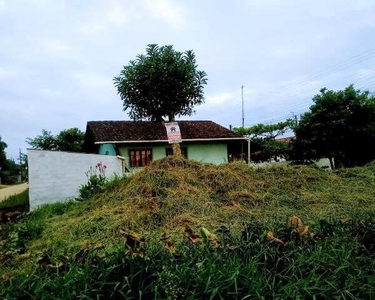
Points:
(323, 163)
(56, 176)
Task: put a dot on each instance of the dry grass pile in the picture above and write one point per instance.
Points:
(208, 231)
(173, 192)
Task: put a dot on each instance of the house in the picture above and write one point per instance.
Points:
(144, 141)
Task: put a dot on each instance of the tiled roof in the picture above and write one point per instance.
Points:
(285, 139)
(118, 131)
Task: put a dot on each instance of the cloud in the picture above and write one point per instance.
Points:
(6, 73)
(54, 46)
(166, 11)
(50, 93)
(92, 81)
(2, 5)
(219, 99)
(114, 15)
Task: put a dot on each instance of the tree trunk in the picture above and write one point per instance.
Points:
(176, 150)
(176, 146)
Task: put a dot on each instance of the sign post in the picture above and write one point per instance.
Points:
(173, 132)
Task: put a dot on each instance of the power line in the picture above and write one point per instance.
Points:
(337, 67)
(282, 117)
(301, 106)
(306, 103)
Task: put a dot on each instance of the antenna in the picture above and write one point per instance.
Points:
(243, 113)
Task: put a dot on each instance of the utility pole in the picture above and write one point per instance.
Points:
(243, 112)
(243, 126)
(20, 165)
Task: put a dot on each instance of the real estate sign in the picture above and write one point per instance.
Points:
(173, 132)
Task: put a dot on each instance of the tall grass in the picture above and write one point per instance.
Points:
(182, 230)
(337, 264)
(20, 201)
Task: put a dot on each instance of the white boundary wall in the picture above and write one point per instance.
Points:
(56, 176)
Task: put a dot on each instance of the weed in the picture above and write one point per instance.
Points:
(20, 202)
(179, 229)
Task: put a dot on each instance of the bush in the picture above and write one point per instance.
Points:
(96, 181)
(6, 178)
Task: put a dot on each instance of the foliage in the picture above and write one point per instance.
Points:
(71, 139)
(162, 83)
(24, 166)
(179, 229)
(20, 202)
(96, 181)
(340, 126)
(45, 141)
(3, 157)
(264, 145)
(9, 170)
(270, 131)
(337, 264)
(8, 177)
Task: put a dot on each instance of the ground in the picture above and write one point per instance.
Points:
(13, 190)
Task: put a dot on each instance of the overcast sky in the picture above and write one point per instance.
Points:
(58, 57)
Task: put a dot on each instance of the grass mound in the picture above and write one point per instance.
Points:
(176, 217)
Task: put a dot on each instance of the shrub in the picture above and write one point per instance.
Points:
(96, 181)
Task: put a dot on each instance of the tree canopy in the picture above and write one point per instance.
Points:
(71, 139)
(9, 170)
(45, 141)
(264, 145)
(3, 157)
(163, 83)
(340, 126)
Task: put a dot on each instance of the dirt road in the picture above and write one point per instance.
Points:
(12, 190)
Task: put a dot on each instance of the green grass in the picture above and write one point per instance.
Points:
(91, 249)
(20, 201)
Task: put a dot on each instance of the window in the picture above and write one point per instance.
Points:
(169, 151)
(140, 157)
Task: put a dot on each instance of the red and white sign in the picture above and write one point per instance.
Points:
(173, 132)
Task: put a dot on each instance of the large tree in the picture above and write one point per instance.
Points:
(9, 170)
(45, 141)
(340, 126)
(67, 140)
(161, 84)
(3, 157)
(71, 139)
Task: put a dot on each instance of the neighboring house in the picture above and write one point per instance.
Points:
(322, 162)
(144, 141)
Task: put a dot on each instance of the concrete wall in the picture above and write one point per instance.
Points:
(322, 163)
(56, 176)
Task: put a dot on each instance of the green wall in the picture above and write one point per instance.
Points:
(214, 152)
(107, 149)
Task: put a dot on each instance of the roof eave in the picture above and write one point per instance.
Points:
(166, 141)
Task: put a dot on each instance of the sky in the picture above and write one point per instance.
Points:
(58, 58)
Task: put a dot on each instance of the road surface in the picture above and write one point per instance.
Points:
(12, 190)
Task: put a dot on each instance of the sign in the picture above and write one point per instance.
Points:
(173, 132)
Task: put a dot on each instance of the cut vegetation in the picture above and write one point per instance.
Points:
(182, 230)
